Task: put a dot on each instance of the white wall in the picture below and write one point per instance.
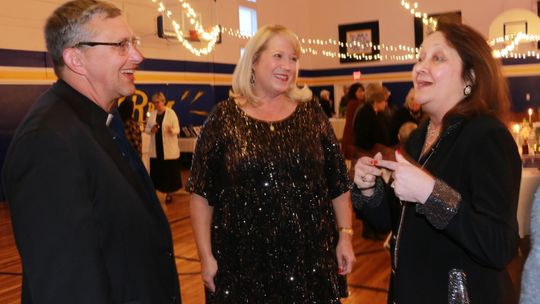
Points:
(396, 25)
(21, 22)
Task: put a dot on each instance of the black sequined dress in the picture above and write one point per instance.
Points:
(271, 184)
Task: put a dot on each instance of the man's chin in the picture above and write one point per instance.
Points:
(129, 90)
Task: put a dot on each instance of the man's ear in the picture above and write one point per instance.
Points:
(74, 60)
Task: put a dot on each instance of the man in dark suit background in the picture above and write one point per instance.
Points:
(87, 222)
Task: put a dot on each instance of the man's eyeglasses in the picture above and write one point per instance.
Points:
(123, 46)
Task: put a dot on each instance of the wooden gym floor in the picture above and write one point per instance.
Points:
(367, 284)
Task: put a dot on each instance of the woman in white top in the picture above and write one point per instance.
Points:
(163, 126)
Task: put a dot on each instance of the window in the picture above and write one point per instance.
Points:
(248, 20)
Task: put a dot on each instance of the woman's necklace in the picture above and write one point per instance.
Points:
(431, 136)
(269, 115)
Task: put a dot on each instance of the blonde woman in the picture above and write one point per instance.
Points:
(163, 126)
(270, 208)
(411, 112)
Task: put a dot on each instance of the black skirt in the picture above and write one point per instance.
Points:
(166, 174)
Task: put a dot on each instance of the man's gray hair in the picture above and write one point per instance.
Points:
(66, 26)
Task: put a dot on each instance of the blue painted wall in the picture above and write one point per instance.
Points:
(193, 102)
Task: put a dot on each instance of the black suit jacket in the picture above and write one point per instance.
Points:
(369, 129)
(478, 158)
(88, 226)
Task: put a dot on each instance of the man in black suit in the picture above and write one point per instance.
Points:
(87, 222)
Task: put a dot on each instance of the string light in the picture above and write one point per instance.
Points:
(321, 47)
(210, 37)
(428, 21)
(313, 46)
(511, 42)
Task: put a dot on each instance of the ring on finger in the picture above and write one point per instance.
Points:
(364, 179)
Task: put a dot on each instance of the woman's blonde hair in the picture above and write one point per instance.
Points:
(243, 73)
(375, 92)
(158, 96)
(409, 98)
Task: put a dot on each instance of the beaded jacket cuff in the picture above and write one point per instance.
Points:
(359, 200)
(441, 206)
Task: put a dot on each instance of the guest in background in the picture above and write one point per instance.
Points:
(371, 125)
(530, 285)
(390, 110)
(85, 215)
(164, 152)
(326, 103)
(371, 137)
(411, 112)
(270, 192)
(131, 127)
(344, 101)
(451, 203)
(355, 99)
(405, 131)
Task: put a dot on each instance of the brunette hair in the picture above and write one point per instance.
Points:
(351, 94)
(489, 94)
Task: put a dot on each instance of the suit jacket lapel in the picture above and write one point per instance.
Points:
(95, 117)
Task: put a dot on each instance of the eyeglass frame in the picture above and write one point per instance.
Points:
(123, 45)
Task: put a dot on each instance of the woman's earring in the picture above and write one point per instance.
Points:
(252, 78)
(467, 90)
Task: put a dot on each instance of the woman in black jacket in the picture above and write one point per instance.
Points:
(452, 199)
(371, 133)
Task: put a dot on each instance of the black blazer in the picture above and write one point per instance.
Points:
(369, 128)
(89, 229)
(479, 159)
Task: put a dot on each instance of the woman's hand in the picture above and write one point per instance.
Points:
(411, 183)
(345, 254)
(366, 172)
(209, 269)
